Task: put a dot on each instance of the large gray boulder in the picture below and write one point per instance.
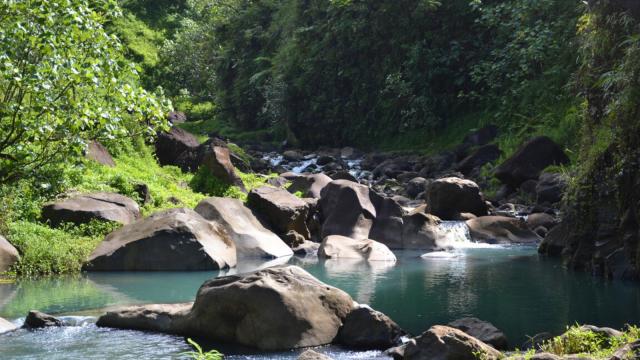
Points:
(6, 326)
(176, 239)
(550, 188)
(347, 210)
(483, 331)
(250, 237)
(388, 223)
(529, 160)
(447, 343)
(309, 185)
(82, 209)
(273, 309)
(283, 211)
(448, 197)
(369, 329)
(501, 230)
(341, 247)
(8, 255)
(313, 355)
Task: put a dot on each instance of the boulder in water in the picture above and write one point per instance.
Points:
(501, 230)
(529, 160)
(483, 331)
(313, 355)
(341, 247)
(447, 343)
(278, 308)
(82, 209)
(176, 239)
(6, 326)
(448, 197)
(419, 231)
(283, 211)
(541, 219)
(8, 255)
(250, 237)
(369, 329)
(36, 320)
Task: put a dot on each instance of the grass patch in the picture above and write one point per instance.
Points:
(203, 182)
(143, 42)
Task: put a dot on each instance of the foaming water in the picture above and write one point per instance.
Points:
(511, 286)
(455, 235)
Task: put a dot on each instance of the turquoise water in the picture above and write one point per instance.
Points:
(514, 288)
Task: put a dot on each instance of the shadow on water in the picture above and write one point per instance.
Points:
(520, 292)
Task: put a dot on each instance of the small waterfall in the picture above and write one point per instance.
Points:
(455, 235)
(305, 164)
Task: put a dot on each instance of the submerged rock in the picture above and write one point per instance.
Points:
(313, 355)
(447, 343)
(36, 320)
(369, 329)
(8, 255)
(342, 247)
(176, 239)
(448, 197)
(501, 230)
(250, 237)
(273, 309)
(483, 331)
(82, 209)
(283, 211)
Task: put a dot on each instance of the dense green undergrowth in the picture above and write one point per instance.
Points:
(45, 250)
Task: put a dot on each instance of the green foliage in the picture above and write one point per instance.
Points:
(200, 354)
(64, 80)
(205, 183)
(143, 42)
(595, 345)
(47, 251)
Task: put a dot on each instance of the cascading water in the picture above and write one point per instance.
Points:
(304, 165)
(452, 237)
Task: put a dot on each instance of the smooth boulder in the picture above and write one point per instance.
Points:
(179, 148)
(342, 247)
(313, 355)
(176, 239)
(448, 197)
(366, 328)
(530, 160)
(251, 238)
(347, 210)
(447, 343)
(84, 208)
(550, 188)
(419, 231)
(501, 230)
(6, 326)
(483, 331)
(277, 308)
(8, 255)
(283, 211)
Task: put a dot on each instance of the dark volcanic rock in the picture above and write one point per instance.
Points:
(481, 156)
(178, 147)
(283, 211)
(447, 343)
(528, 162)
(217, 160)
(550, 188)
(369, 329)
(36, 320)
(481, 136)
